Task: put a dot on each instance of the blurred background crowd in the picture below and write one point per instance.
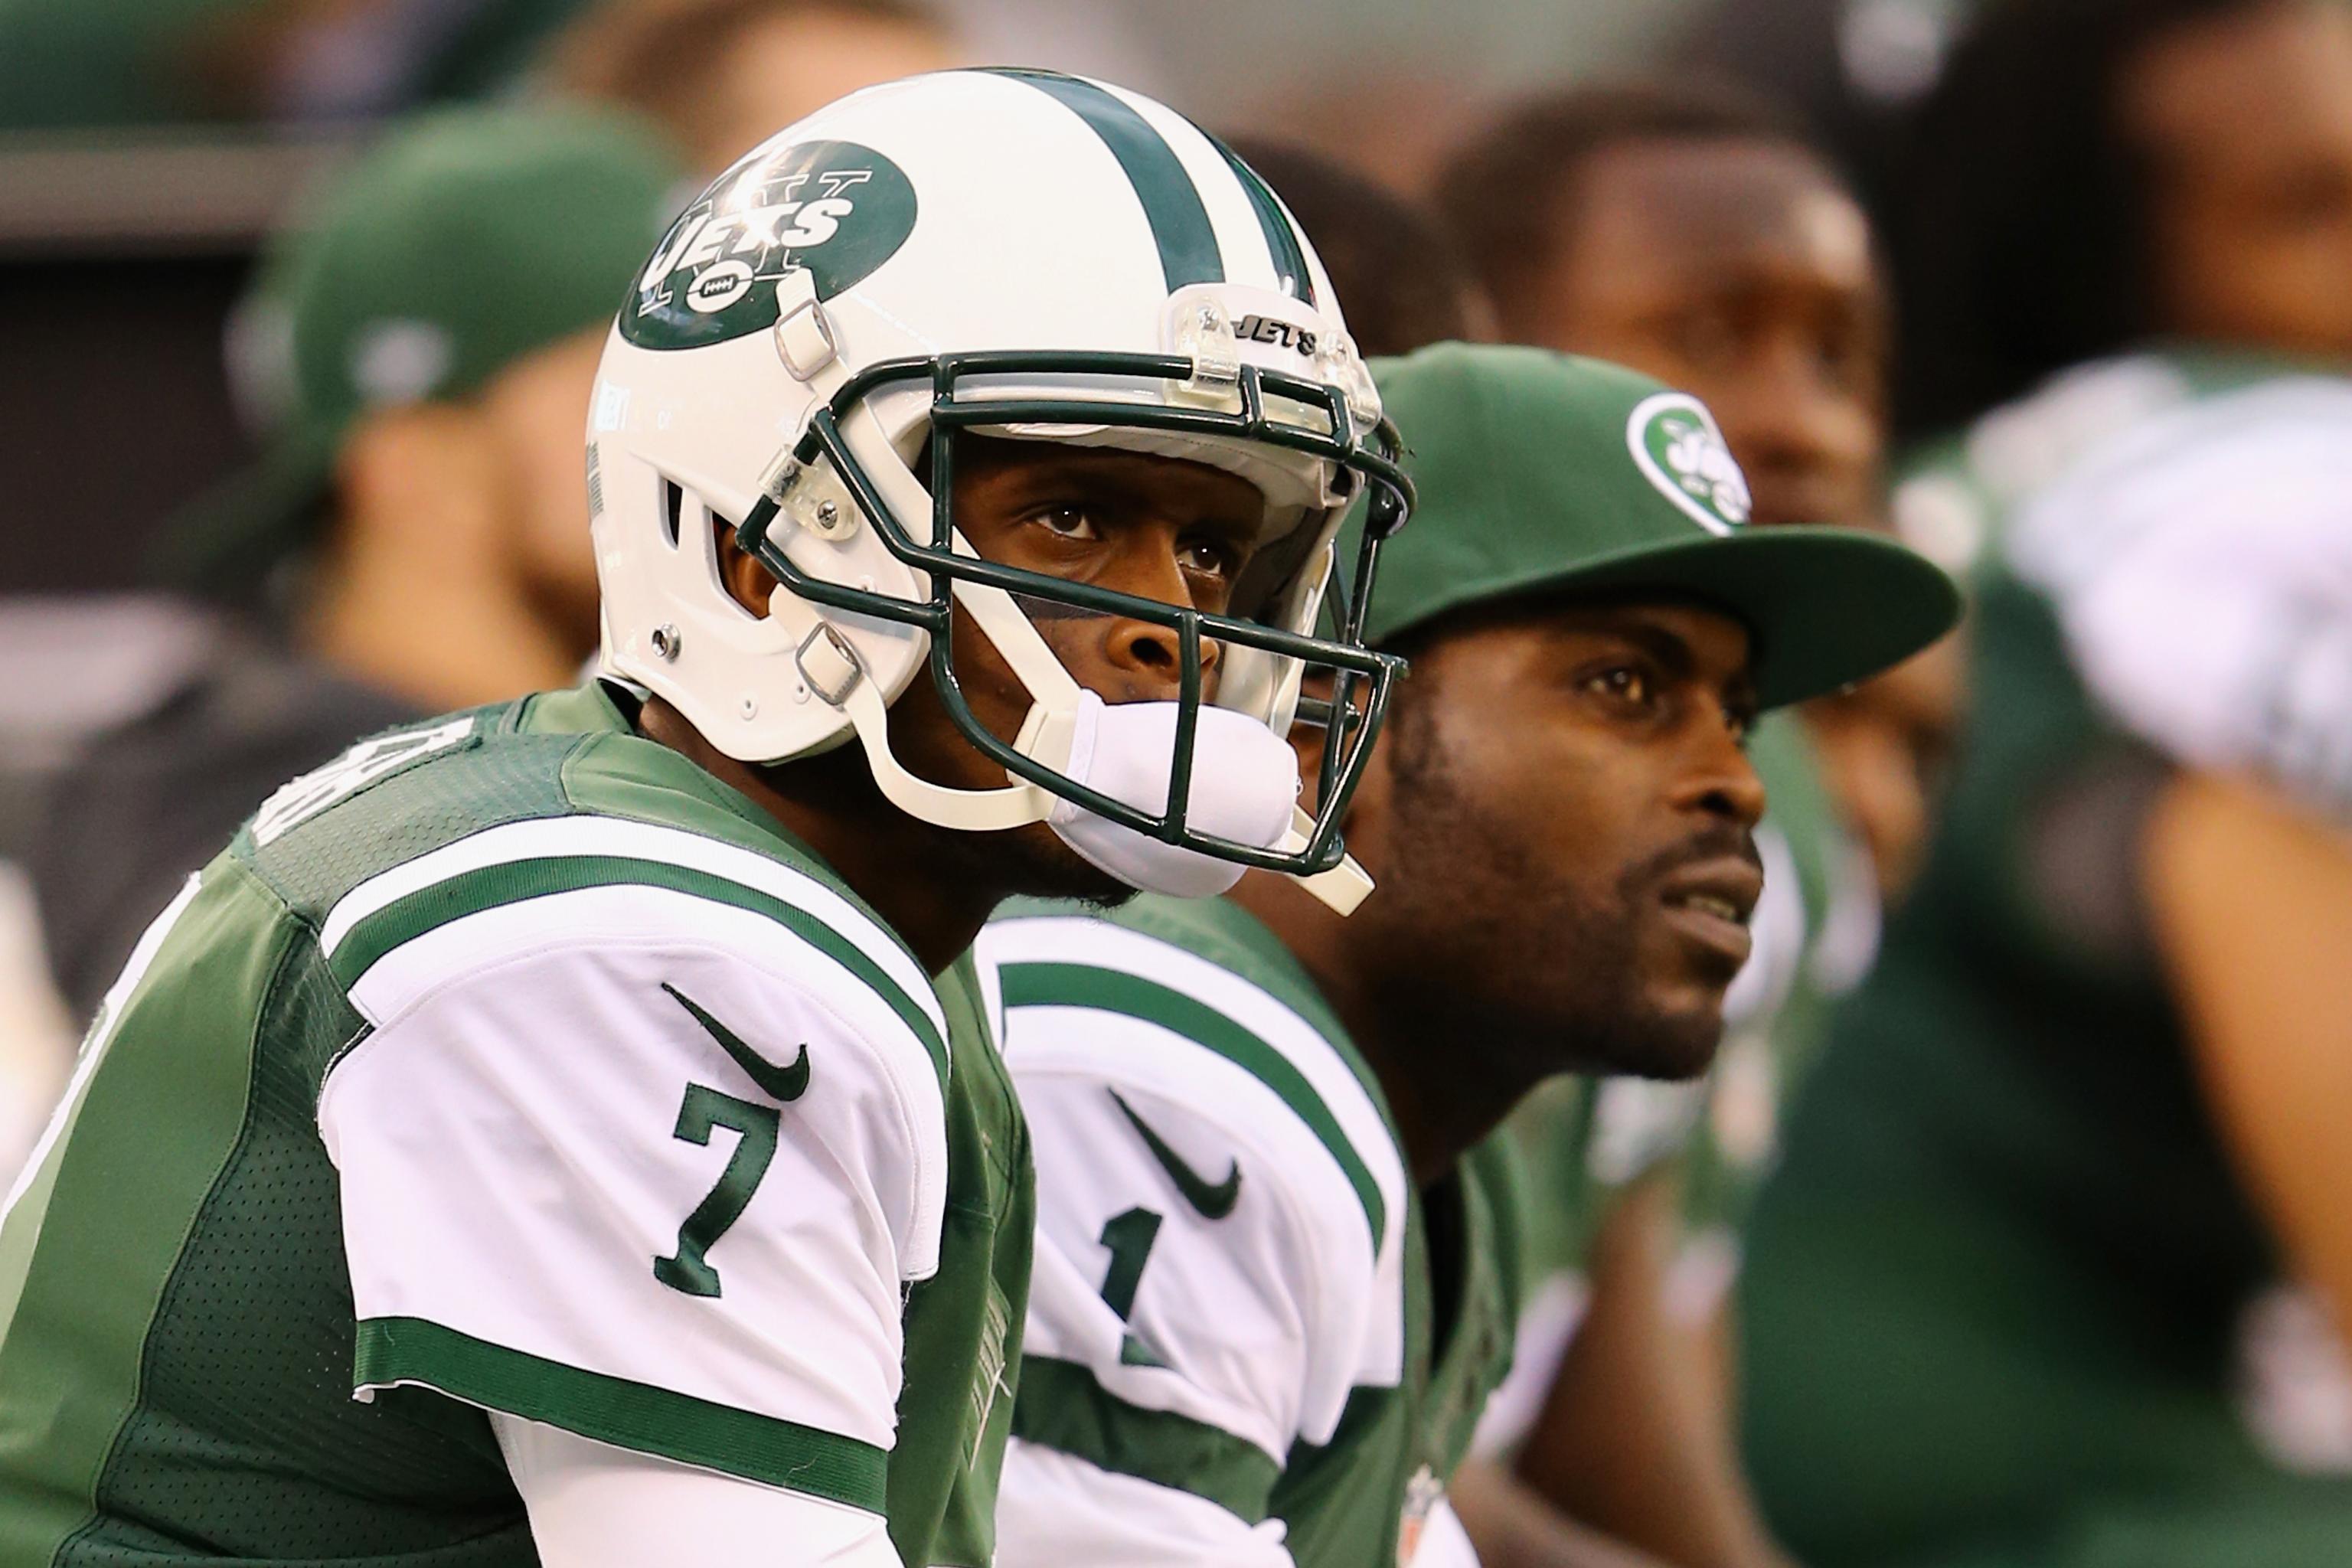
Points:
(2015, 1223)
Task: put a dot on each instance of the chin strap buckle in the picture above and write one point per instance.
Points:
(829, 664)
(805, 339)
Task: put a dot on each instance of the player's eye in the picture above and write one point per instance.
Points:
(1206, 557)
(1846, 358)
(1073, 524)
(1624, 683)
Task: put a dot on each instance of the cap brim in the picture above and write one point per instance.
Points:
(1827, 606)
(224, 543)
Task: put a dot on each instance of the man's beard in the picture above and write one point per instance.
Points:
(1652, 1041)
(1568, 995)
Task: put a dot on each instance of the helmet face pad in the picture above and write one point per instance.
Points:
(1364, 467)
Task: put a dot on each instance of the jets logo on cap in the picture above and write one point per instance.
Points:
(1679, 450)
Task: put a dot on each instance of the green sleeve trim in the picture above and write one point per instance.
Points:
(633, 1415)
(1131, 995)
(512, 881)
(1062, 1407)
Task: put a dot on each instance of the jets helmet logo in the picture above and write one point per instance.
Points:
(1675, 442)
(833, 208)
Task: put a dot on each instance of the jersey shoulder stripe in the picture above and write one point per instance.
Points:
(1110, 990)
(536, 858)
(1089, 964)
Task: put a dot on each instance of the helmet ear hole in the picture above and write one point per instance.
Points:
(673, 503)
(731, 564)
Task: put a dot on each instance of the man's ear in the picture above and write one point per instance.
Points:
(749, 583)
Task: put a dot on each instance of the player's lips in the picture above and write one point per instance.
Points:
(1709, 903)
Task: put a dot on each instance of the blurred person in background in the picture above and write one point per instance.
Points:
(720, 75)
(2180, 174)
(2056, 1269)
(1692, 234)
(420, 342)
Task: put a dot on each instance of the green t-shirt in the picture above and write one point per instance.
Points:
(427, 1099)
(2006, 1296)
(1249, 1319)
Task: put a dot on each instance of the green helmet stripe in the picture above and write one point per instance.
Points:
(1281, 237)
(1172, 204)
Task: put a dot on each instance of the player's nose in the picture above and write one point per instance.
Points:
(1807, 447)
(1147, 661)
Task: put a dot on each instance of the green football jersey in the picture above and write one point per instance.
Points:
(1253, 1339)
(2006, 1300)
(509, 1066)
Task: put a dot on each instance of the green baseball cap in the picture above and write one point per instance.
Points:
(1542, 473)
(457, 244)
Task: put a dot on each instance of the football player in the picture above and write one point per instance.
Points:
(2055, 1271)
(1689, 233)
(1276, 1273)
(539, 1137)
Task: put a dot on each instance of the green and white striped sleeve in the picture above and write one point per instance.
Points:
(643, 1142)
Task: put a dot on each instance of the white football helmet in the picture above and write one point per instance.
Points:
(1032, 256)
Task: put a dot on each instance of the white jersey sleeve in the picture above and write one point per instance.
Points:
(595, 1505)
(2201, 568)
(1220, 1209)
(644, 1142)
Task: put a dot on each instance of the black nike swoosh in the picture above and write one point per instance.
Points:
(781, 1083)
(1215, 1202)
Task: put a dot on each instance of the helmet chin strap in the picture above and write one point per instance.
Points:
(1050, 734)
(1341, 888)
